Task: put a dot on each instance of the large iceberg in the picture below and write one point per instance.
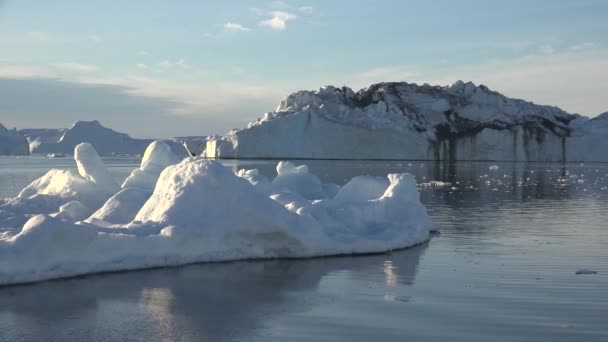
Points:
(12, 143)
(408, 121)
(68, 223)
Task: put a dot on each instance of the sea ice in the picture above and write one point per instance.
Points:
(198, 211)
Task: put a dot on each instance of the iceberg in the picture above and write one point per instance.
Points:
(399, 120)
(12, 143)
(106, 141)
(73, 223)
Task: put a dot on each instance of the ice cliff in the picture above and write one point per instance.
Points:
(408, 121)
(12, 143)
(172, 212)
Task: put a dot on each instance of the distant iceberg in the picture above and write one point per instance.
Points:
(106, 141)
(71, 223)
(12, 143)
(399, 120)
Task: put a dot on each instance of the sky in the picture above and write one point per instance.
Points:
(175, 68)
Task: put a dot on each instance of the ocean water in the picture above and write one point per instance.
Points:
(503, 268)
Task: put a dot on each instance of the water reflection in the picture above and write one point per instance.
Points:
(198, 302)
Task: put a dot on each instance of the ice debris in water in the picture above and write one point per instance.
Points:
(493, 167)
(171, 213)
(585, 271)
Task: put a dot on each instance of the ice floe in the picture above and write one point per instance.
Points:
(172, 212)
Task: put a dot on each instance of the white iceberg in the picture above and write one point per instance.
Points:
(199, 211)
(399, 120)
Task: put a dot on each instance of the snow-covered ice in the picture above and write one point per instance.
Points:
(68, 223)
(157, 157)
(399, 120)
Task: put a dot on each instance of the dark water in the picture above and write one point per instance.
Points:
(502, 269)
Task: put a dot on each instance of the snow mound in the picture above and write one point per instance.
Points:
(122, 207)
(91, 186)
(201, 211)
(157, 157)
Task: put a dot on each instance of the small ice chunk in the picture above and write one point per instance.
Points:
(298, 180)
(585, 271)
(493, 167)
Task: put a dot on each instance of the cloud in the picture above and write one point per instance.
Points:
(234, 27)
(582, 46)
(546, 49)
(45, 102)
(279, 4)
(141, 66)
(41, 36)
(77, 67)
(143, 53)
(278, 21)
(11, 70)
(167, 64)
(305, 9)
(95, 38)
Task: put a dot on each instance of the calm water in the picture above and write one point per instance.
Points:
(502, 269)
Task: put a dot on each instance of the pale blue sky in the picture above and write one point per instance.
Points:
(166, 68)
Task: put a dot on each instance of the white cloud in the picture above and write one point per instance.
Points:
(77, 67)
(235, 27)
(167, 64)
(582, 46)
(219, 99)
(15, 71)
(95, 38)
(306, 9)
(238, 70)
(143, 53)
(257, 11)
(278, 21)
(141, 66)
(210, 35)
(41, 36)
(278, 4)
(546, 49)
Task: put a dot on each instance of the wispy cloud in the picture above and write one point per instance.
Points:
(143, 53)
(77, 67)
(279, 4)
(41, 36)
(16, 71)
(546, 49)
(305, 9)
(582, 46)
(278, 20)
(235, 27)
(166, 64)
(95, 38)
(141, 66)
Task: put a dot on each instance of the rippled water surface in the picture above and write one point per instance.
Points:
(503, 268)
